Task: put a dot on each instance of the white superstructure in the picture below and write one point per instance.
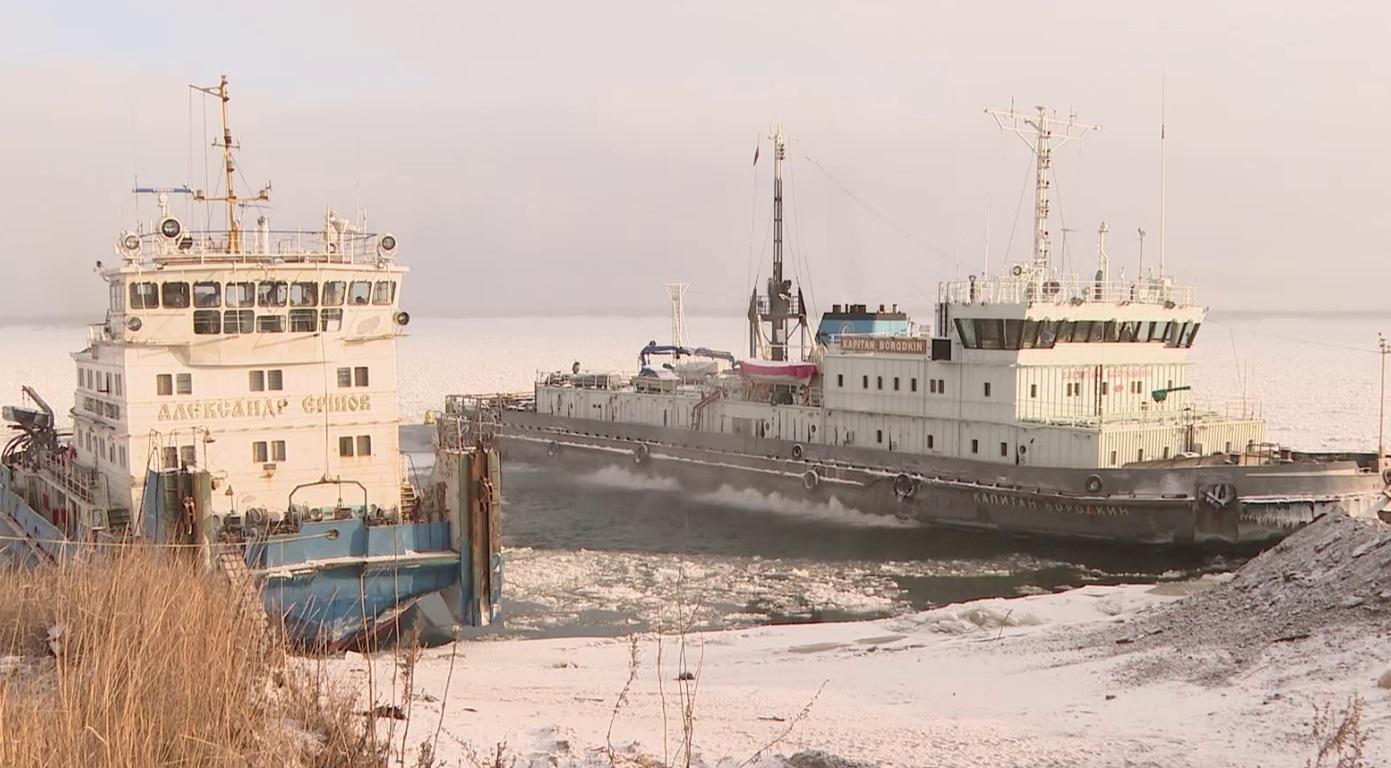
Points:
(1028, 367)
(266, 358)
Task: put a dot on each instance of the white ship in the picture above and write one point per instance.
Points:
(1033, 403)
(240, 398)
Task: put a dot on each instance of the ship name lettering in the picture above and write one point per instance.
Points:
(336, 403)
(1065, 507)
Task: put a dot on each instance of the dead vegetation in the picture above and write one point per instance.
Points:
(140, 658)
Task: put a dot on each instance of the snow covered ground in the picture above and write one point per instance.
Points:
(1166, 675)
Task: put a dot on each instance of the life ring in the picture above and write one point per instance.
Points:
(810, 480)
(1016, 270)
(797, 450)
(641, 453)
(904, 487)
(552, 449)
(1093, 483)
(1386, 476)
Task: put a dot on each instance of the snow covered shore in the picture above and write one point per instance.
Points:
(1216, 672)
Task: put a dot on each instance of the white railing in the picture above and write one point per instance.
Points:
(1199, 413)
(251, 245)
(1023, 290)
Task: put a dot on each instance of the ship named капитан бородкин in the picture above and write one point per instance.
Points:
(1035, 403)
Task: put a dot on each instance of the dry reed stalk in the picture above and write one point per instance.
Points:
(139, 657)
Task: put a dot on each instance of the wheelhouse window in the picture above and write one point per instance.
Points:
(1029, 338)
(361, 293)
(183, 383)
(207, 321)
(1013, 333)
(270, 323)
(990, 334)
(360, 376)
(260, 452)
(241, 295)
(175, 295)
(1066, 330)
(967, 331)
(364, 445)
(304, 320)
(335, 291)
(144, 296)
(239, 321)
(164, 384)
(207, 295)
(345, 446)
(384, 293)
(1190, 332)
(258, 381)
(271, 293)
(330, 319)
(345, 377)
(304, 294)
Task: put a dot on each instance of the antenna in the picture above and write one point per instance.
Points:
(781, 304)
(1103, 263)
(227, 145)
(1163, 88)
(1041, 133)
(677, 293)
(987, 235)
(1140, 274)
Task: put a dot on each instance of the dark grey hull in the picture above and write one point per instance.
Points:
(1211, 506)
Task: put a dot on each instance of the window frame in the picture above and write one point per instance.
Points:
(201, 296)
(178, 291)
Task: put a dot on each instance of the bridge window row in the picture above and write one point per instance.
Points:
(990, 333)
(238, 321)
(263, 293)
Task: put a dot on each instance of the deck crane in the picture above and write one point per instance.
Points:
(653, 348)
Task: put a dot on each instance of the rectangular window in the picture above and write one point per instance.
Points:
(1113, 331)
(183, 384)
(1166, 451)
(895, 383)
(260, 452)
(1004, 449)
(275, 380)
(304, 320)
(345, 446)
(384, 293)
(258, 381)
(364, 445)
(1098, 332)
(840, 380)
(1140, 455)
(966, 330)
(188, 457)
(360, 293)
(929, 442)
(277, 450)
(1105, 387)
(1066, 329)
(241, 295)
(987, 389)
(119, 384)
(878, 382)
(913, 384)
(239, 321)
(1013, 336)
(360, 376)
(990, 333)
(334, 293)
(975, 446)
(865, 381)
(1189, 335)
(1033, 390)
(82, 377)
(164, 384)
(271, 293)
(1030, 336)
(1047, 334)
(207, 321)
(207, 295)
(878, 435)
(304, 294)
(941, 386)
(170, 457)
(175, 295)
(330, 320)
(144, 296)
(932, 386)
(1113, 458)
(345, 377)
(270, 323)
(123, 455)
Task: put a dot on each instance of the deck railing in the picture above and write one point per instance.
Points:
(1024, 290)
(259, 246)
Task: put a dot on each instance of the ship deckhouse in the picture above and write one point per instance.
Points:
(265, 357)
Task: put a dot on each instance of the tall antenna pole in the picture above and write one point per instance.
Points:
(1041, 133)
(230, 194)
(987, 235)
(1141, 273)
(1163, 83)
(677, 293)
(1381, 405)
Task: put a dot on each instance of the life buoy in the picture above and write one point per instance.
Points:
(552, 448)
(1094, 484)
(640, 453)
(810, 480)
(797, 450)
(904, 487)
(1386, 476)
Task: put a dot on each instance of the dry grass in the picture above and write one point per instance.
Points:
(142, 658)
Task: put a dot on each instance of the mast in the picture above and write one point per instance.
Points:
(780, 306)
(1162, 168)
(230, 195)
(1041, 133)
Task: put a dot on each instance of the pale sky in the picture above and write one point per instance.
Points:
(573, 157)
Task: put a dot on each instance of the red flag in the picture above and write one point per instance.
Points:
(755, 155)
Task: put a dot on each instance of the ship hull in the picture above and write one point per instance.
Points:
(1209, 506)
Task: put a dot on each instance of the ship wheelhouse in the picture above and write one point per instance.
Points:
(272, 367)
